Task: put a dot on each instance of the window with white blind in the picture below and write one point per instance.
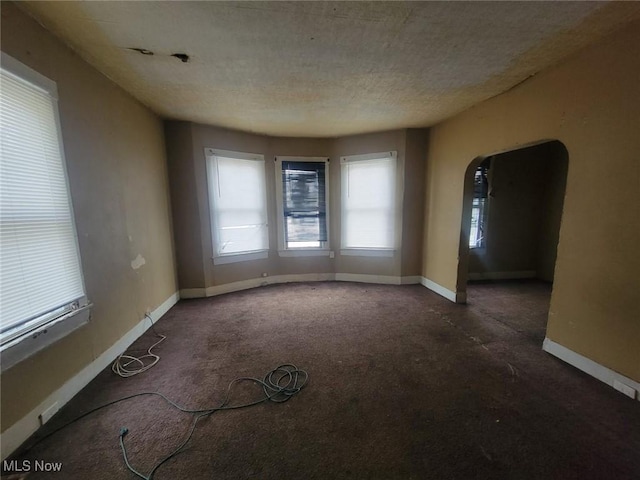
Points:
(480, 206)
(43, 296)
(302, 188)
(369, 205)
(238, 206)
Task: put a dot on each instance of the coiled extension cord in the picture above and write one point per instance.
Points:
(121, 364)
(278, 385)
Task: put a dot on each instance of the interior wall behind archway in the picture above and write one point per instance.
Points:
(525, 208)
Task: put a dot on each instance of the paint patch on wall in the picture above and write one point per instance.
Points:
(137, 262)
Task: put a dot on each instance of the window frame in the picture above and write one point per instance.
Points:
(283, 250)
(33, 335)
(483, 208)
(233, 257)
(397, 207)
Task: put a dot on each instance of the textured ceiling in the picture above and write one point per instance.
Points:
(324, 68)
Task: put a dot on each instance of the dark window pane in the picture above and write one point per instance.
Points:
(304, 202)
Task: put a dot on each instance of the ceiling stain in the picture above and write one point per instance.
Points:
(324, 69)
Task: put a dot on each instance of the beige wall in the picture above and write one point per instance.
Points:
(115, 157)
(185, 207)
(590, 103)
(185, 145)
(413, 203)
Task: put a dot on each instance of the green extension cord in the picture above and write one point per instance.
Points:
(278, 385)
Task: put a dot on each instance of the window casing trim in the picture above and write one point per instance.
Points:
(216, 152)
(29, 337)
(398, 202)
(233, 257)
(24, 73)
(368, 252)
(482, 207)
(305, 252)
(283, 250)
(44, 334)
(240, 257)
(369, 156)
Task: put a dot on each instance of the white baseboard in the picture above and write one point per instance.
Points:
(305, 277)
(602, 373)
(456, 297)
(516, 275)
(16, 434)
(363, 278)
(379, 279)
(264, 281)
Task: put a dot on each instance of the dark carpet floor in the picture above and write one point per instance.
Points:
(402, 384)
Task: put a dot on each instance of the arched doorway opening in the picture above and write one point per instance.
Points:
(512, 212)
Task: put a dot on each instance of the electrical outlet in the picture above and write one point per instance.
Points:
(332, 254)
(265, 274)
(48, 413)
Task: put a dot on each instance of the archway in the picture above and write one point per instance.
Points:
(512, 212)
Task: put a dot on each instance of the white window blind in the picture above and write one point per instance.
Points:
(41, 273)
(237, 193)
(368, 202)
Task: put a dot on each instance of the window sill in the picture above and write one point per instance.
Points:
(240, 257)
(368, 252)
(303, 252)
(32, 342)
